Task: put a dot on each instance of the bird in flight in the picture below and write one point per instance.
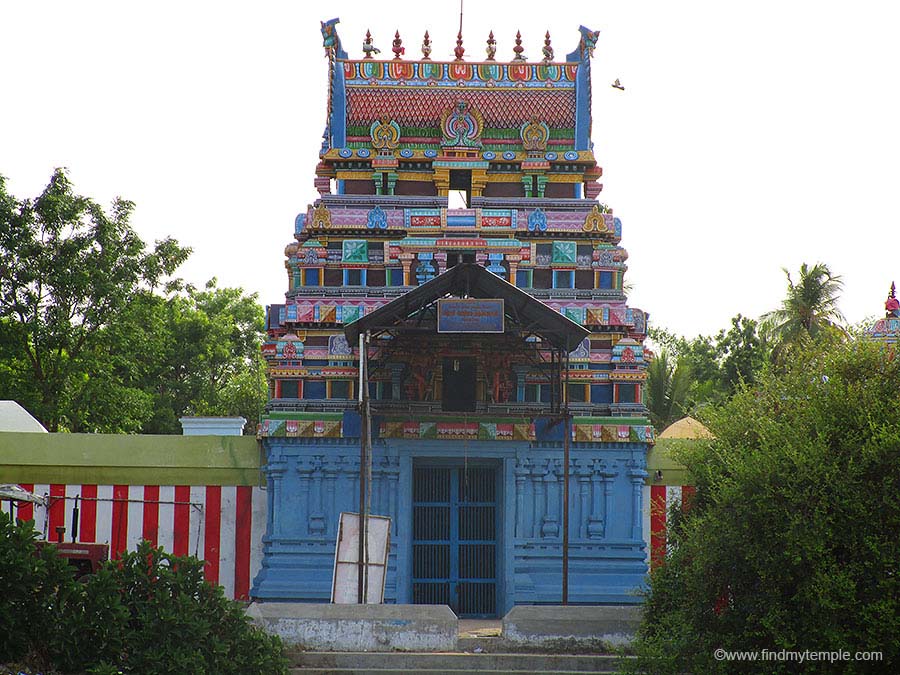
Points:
(618, 85)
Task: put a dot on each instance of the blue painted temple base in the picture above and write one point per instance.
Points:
(311, 481)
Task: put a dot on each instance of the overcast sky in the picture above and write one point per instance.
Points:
(750, 136)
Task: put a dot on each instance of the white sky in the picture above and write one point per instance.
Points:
(751, 136)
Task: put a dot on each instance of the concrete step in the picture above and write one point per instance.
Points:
(477, 645)
(447, 662)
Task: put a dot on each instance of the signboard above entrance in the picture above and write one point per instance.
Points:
(470, 315)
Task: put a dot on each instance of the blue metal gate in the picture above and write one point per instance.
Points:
(455, 539)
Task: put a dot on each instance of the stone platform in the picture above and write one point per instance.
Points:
(433, 628)
(358, 627)
(548, 625)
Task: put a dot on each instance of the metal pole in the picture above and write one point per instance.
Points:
(566, 436)
(367, 434)
(360, 591)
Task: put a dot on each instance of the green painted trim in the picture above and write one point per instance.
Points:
(109, 459)
(629, 421)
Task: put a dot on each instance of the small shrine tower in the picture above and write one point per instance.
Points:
(457, 245)
(887, 330)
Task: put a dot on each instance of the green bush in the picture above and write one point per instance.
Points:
(149, 612)
(180, 623)
(33, 581)
(793, 540)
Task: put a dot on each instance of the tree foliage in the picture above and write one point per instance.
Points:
(195, 353)
(148, 612)
(809, 310)
(96, 335)
(791, 542)
(668, 380)
(709, 369)
(69, 269)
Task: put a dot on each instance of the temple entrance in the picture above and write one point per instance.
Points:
(458, 392)
(455, 539)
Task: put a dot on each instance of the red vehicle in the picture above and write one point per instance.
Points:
(83, 558)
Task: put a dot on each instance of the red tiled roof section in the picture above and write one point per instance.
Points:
(500, 109)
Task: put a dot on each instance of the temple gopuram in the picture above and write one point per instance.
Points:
(458, 247)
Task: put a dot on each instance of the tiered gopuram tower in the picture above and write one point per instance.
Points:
(458, 238)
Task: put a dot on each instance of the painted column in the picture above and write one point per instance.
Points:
(550, 527)
(584, 485)
(513, 262)
(528, 184)
(332, 468)
(523, 469)
(608, 479)
(442, 181)
(316, 512)
(391, 181)
(595, 525)
(304, 472)
(274, 477)
(637, 476)
(393, 478)
(520, 372)
(406, 260)
(537, 477)
(479, 180)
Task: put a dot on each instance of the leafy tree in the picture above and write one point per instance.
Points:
(95, 335)
(808, 311)
(710, 369)
(195, 353)
(742, 352)
(791, 542)
(68, 270)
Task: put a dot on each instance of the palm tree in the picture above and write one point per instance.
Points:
(668, 382)
(809, 311)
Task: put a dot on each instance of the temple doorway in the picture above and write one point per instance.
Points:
(455, 538)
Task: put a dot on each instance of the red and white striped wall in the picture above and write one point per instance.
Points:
(658, 502)
(222, 525)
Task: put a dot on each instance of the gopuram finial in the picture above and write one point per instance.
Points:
(491, 46)
(426, 47)
(547, 49)
(368, 47)
(397, 46)
(518, 49)
(459, 51)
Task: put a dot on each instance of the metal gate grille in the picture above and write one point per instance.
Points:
(454, 539)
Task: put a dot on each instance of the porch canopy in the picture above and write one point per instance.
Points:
(470, 280)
